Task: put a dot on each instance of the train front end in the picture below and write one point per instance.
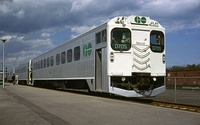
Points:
(136, 56)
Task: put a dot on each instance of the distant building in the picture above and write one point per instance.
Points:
(184, 81)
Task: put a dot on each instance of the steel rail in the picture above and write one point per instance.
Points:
(180, 106)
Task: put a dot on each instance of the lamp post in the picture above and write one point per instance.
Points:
(3, 40)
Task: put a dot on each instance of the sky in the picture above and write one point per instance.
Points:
(33, 27)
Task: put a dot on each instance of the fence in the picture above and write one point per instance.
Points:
(181, 90)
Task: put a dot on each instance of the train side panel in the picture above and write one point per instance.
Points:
(72, 61)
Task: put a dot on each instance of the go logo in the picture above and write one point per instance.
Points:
(142, 20)
(87, 49)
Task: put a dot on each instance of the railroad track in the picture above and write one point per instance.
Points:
(185, 107)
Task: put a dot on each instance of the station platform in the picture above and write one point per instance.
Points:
(26, 105)
(12, 112)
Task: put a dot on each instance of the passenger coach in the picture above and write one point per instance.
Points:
(124, 56)
(24, 73)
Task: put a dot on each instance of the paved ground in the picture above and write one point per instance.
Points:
(24, 105)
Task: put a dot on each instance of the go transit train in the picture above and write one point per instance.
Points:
(124, 56)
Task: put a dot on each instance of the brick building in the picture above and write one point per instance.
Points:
(184, 81)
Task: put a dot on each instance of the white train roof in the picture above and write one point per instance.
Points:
(135, 20)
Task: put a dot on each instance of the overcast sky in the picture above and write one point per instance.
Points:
(36, 26)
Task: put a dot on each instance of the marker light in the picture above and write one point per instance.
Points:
(111, 57)
(163, 58)
(123, 79)
(155, 24)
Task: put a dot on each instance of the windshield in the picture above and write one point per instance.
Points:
(157, 41)
(121, 39)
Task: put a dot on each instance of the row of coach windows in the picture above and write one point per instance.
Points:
(21, 70)
(60, 58)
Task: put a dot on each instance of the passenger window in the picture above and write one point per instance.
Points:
(58, 59)
(63, 57)
(98, 37)
(52, 61)
(157, 41)
(41, 64)
(104, 36)
(33, 66)
(36, 66)
(101, 36)
(48, 62)
(45, 63)
(77, 53)
(69, 55)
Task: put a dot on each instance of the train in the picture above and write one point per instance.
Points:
(124, 56)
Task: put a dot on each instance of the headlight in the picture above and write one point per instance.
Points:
(123, 79)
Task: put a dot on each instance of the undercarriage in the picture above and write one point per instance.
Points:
(138, 83)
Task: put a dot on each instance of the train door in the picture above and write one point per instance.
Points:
(29, 77)
(100, 69)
